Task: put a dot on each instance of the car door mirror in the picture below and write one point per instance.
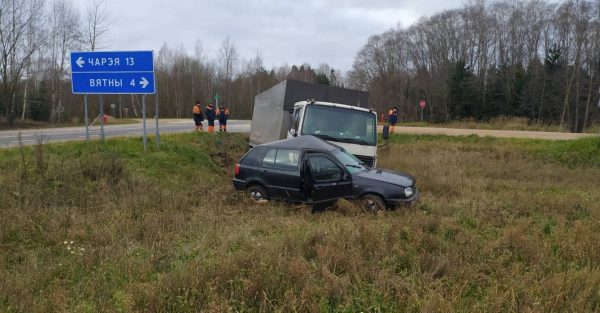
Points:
(386, 132)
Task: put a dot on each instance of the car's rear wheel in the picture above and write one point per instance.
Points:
(257, 193)
(372, 203)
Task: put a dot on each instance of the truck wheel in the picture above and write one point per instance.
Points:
(372, 203)
(257, 193)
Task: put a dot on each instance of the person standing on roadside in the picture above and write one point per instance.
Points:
(393, 118)
(210, 117)
(223, 116)
(198, 118)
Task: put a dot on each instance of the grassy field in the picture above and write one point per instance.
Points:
(500, 123)
(502, 225)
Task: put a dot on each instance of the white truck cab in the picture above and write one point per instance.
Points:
(351, 127)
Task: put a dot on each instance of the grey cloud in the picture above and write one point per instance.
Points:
(282, 31)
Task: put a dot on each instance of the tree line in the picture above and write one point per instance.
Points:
(36, 37)
(35, 40)
(533, 59)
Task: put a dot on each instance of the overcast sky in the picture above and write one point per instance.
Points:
(281, 31)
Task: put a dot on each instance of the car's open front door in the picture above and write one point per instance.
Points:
(325, 178)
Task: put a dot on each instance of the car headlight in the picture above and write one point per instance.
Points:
(408, 191)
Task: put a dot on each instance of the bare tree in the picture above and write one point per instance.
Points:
(227, 59)
(31, 36)
(64, 36)
(18, 19)
(573, 20)
(96, 25)
(592, 56)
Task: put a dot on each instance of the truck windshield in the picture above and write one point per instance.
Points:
(340, 124)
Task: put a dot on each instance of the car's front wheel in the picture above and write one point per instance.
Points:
(372, 203)
(257, 193)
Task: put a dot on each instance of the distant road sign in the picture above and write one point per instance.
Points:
(112, 72)
(422, 104)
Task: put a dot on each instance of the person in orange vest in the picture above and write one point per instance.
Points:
(210, 116)
(198, 118)
(393, 118)
(223, 116)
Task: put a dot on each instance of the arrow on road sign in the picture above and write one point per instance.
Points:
(144, 82)
(80, 62)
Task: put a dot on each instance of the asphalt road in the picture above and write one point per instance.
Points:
(10, 138)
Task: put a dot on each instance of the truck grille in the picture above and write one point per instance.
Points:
(369, 161)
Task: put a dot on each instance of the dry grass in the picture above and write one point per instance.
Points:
(498, 123)
(506, 123)
(108, 229)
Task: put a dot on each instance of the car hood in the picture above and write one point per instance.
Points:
(396, 178)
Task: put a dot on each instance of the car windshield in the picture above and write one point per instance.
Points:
(351, 162)
(340, 124)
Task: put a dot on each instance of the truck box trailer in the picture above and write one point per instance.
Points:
(273, 108)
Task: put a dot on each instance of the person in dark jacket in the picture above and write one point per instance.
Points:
(210, 117)
(393, 118)
(198, 117)
(223, 116)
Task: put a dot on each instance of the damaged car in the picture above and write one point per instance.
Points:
(309, 170)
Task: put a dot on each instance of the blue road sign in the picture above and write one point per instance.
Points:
(112, 72)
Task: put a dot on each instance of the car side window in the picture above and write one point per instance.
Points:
(324, 169)
(287, 159)
(269, 158)
(281, 158)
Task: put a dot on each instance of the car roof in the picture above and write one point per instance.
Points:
(302, 142)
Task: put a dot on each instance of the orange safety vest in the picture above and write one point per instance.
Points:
(196, 109)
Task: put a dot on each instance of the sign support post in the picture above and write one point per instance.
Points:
(422, 105)
(156, 118)
(85, 118)
(101, 118)
(144, 122)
